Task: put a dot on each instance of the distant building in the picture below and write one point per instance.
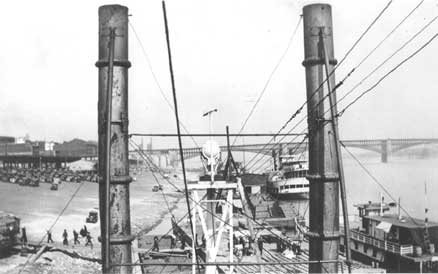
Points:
(76, 148)
(15, 149)
(23, 139)
(7, 139)
(49, 146)
(43, 148)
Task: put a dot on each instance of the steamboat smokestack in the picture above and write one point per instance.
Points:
(113, 67)
(323, 167)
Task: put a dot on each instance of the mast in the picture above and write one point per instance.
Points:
(114, 176)
(323, 167)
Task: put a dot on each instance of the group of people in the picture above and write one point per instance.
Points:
(173, 242)
(83, 232)
(243, 246)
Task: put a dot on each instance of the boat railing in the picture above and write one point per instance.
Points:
(381, 244)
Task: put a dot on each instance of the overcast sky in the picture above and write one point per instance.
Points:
(224, 52)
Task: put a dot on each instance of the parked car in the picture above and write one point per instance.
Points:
(92, 217)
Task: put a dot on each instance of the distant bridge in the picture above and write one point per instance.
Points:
(384, 147)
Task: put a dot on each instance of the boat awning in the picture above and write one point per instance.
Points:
(386, 227)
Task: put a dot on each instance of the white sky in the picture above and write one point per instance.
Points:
(223, 52)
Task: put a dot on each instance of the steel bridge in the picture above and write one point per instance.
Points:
(385, 147)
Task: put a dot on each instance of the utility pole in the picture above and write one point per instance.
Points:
(323, 168)
(114, 176)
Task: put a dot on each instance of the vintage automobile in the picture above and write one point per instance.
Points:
(156, 188)
(92, 217)
(9, 229)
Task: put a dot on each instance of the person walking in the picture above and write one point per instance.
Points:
(49, 237)
(260, 243)
(204, 241)
(23, 235)
(156, 247)
(76, 237)
(88, 242)
(65, 236)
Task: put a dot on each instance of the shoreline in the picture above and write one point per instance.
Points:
(38, 207)
(164, 213)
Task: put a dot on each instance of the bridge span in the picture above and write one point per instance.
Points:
(385, 147)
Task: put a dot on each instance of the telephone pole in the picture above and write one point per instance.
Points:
(114, 176)
(323, 167)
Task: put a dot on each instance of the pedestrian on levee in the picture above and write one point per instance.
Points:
(156, 247)
(76, 237)
(260, 243)
(49, 237)
(23, 236)
(196, 242)
(65, 236)
(88, 242)
(204, 241)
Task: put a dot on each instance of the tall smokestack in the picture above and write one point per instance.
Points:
(114, 18)
(323, 168)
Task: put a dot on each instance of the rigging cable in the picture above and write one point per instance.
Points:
(225, 222)
(217, 217)
(387, 74)
(175, 104)
(364, 33)
(389, 34)
(348, 75)
(269, 78)
(159, 184)
(375, 180)
(371, 73)
(148, 61)
(143, 154)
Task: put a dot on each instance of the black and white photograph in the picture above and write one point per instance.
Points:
(219, 136)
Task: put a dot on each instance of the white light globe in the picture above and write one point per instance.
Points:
(211, 149)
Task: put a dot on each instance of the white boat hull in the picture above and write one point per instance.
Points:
(290, 186)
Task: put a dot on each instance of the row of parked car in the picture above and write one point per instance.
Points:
(35, 176)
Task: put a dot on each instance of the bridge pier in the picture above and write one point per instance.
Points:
(385, 150)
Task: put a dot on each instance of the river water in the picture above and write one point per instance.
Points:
(402, 177)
